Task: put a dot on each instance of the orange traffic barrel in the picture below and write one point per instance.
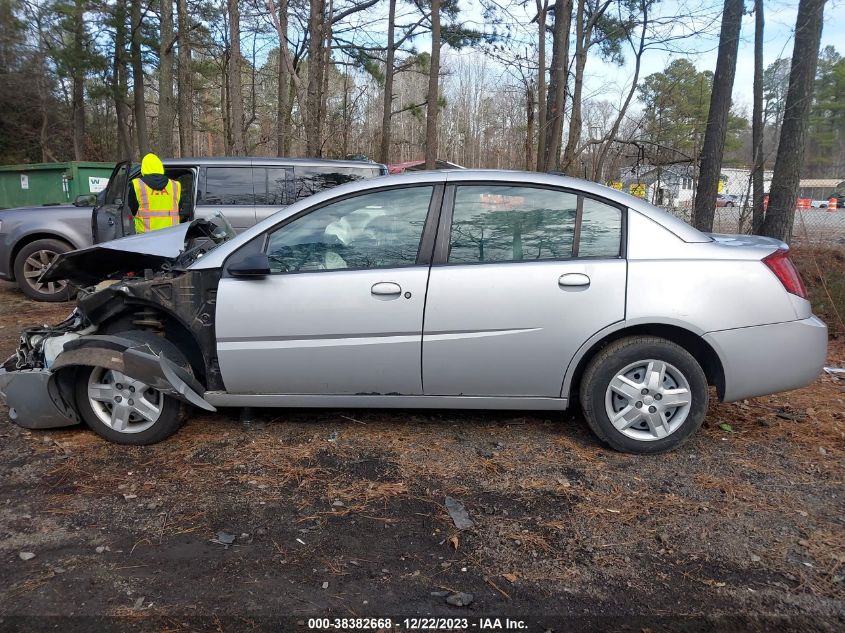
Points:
(831, 204)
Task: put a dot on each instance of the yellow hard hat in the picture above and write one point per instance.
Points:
(151, 164)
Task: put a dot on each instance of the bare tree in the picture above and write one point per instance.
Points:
(313, 125)
(138, 79)
(186, 82)
(387, 108)
(780, 214)
(585, 26)
(433, 92)
(235, 100)
(283, 89)
(757, 192)
(558, 76)
(78, 80)
(166, 109)
(712, 150)
(542, 14)
(118, 80)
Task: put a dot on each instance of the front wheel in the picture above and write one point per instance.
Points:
(644, 394)
(125, 410)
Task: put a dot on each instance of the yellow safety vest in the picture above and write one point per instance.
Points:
(157, 209)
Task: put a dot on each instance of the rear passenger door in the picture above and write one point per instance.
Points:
(522, 276)
(228, 190)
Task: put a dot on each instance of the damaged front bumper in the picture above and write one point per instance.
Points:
(39, 390)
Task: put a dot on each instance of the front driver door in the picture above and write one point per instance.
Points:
(342, 311)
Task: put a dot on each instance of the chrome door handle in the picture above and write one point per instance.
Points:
(386, 289)
(573, 279)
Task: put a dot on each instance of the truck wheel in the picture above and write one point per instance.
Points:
(32, 260)
(125, 410)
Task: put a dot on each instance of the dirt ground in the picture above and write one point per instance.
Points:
(342, 513)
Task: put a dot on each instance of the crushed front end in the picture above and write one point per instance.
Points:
(120, 294)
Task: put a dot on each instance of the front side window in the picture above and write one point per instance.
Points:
(116, 186)
(228, 186)
(503, 223)
(381, 229)
(311, 180)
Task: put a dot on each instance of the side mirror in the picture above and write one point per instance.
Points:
(255, 265)
(85, 200)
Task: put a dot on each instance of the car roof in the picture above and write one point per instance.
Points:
(677, 226)
(246, 161)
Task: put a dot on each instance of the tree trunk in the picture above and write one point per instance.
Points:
(557, 85)
(78, 83)
(542, 11)
(433, 89)
(757, 192)
(529, 125)
(283, 94)
(324, 67)
(138, 80)
(236, 103)
(387, 106)
(780, 214)
(713, 148)
(186, 82)
(582, 40)
(313, 121)
(166, 109)
(119, 90)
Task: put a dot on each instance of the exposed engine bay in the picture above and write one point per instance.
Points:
(133, 293)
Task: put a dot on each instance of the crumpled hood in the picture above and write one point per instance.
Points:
(131, 254)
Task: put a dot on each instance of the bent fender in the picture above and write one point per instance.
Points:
(43, 398)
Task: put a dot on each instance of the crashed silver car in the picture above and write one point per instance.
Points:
(452, 289)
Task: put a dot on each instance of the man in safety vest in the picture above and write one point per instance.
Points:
(154, 198)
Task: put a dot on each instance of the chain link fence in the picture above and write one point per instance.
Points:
(814, 225)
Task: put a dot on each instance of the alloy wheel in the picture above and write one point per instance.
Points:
(35, 265)
(122, 403)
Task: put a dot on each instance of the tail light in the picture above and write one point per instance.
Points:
(783, 268)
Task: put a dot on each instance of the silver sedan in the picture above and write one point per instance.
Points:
(452, 289)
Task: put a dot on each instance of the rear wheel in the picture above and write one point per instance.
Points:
(31, 261)
(644, 395)
(125, 410)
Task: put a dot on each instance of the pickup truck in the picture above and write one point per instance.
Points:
(244, 190)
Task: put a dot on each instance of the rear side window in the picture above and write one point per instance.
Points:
(503, 223)
(511, 224)
(311, 180)
(228, 186)
(273, 186)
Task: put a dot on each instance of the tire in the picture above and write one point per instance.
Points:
(138, 431)
(652, 427)
(31, 260)
(729, 205)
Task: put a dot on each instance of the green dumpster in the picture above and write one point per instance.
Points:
(50, 183)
